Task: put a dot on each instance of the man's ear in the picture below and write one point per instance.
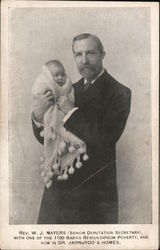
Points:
(74, 55)
(103, 54)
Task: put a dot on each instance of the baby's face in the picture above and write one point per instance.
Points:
(58, 74)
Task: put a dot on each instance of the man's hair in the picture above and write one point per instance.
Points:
(88, 35)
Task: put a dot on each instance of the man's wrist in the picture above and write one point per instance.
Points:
(37, 117)
(69, 114)
(37, 122)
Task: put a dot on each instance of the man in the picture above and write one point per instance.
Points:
(99, 116)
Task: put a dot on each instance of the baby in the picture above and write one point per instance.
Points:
(61, 147)
(58, 72)
(53, 77)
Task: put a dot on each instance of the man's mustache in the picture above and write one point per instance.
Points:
(86, 66)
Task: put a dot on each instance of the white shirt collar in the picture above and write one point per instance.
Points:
(102, 71)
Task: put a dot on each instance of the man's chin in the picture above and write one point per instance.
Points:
(88, 74)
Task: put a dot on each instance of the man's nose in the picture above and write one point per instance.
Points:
(84, 58)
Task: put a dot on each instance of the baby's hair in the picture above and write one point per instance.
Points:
(55, 62)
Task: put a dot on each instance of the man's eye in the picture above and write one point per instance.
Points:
(91, 52)
(78, 54)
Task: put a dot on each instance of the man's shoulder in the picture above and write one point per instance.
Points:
(107, 82)
(115, 85)
(79, 82)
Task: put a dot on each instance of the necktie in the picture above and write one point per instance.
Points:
(87, 85)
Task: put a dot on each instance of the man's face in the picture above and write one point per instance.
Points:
(88, 58)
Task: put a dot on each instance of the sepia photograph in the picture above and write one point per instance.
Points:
(81, 118)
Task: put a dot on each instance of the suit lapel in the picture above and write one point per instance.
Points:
(79, 93)
(83, 97)
(91, 93)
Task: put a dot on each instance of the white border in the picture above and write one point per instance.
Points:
(8, 231)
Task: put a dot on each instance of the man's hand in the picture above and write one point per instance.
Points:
(64, 104)
(43, 104)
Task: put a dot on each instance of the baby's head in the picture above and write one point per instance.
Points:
(57, 70)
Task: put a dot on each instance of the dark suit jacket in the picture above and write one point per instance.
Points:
(90, 195)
